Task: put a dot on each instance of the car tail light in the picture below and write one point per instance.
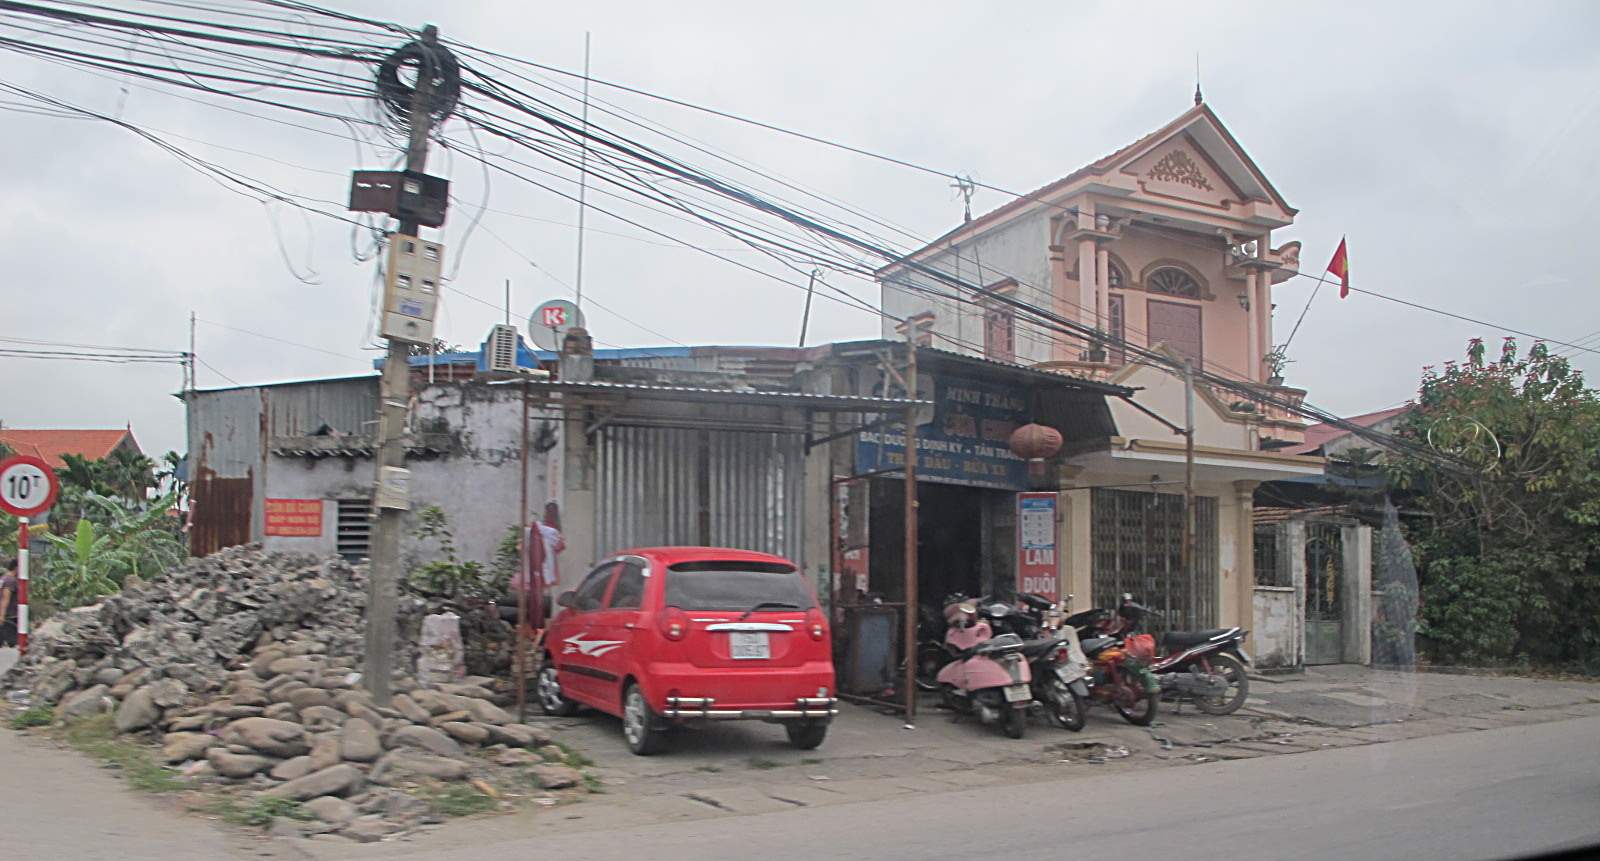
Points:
(674, 624)
(816, 623)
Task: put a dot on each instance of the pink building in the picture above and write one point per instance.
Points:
(1165, 244)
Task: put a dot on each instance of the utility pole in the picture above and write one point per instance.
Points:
(912, 609)
(805, 318)
(1188, 493)
(188, 360)
(393, 395)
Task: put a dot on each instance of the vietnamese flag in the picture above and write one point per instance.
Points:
(1340, 266)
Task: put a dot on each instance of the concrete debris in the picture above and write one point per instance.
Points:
(243, 666)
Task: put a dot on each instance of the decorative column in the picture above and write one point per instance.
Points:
(1253, 370)
(1244, 564)
(1261, 304)
(1086, 266)
(1102, 288)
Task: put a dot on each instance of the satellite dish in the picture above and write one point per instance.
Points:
(549, 323)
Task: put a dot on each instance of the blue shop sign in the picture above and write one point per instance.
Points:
(967, 442)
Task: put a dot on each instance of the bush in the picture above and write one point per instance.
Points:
(1470, 609)
(32, 717)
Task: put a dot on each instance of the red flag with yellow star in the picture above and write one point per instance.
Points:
(1340, 266)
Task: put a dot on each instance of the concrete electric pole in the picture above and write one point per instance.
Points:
(390, 479)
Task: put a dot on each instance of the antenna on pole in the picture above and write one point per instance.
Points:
(964, 187)
(508, 301)
(583, 170)
(1197, 97)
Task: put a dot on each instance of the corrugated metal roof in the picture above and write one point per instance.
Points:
(840, 402)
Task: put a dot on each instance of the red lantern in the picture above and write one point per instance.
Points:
(1035, 441)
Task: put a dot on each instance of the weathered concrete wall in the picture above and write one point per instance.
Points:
(477, 482)
(1275, 630)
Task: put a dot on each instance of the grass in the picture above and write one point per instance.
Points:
(713, 769)
(762, 763)
(97, 737)
(36, 716)
(259, 813)
(811, 760)
(572, 756)
(457, 801)
(592, 783)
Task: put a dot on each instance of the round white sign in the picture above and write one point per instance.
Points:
(27, 486)
(548, 324)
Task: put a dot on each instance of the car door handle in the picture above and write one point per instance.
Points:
(629, 625)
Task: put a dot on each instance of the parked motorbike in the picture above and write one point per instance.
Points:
(1060, 669)
(1116, 678)
(987, 675)
(1205, 667)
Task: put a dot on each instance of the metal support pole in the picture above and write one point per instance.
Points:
(520, 641)
(805, 318)
(1188, 495)
(393, 393)
(911, 536)
(22, 585)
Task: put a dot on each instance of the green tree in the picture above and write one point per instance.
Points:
(102, 552)
(1509, 556)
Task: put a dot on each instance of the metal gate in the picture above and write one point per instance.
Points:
(665, 486)
(219, 511)
(1137, 542)
(1324, 592)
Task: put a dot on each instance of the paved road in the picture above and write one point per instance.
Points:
(1488, 794)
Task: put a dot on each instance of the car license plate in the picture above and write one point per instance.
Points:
(749, 645)
(1018, 693)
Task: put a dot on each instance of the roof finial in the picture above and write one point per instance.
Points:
(1197, 97)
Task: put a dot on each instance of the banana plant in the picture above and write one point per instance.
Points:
(96, 558)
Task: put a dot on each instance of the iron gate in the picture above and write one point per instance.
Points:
(1324, 592)
(1137, 542)
(666, 486)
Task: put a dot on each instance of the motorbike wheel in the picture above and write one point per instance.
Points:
(1142, 712)
(930, 660)
(1065, 708)
(1014, 722)
(1233, 670)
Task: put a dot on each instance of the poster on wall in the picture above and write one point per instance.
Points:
(294, 518)
(1038, 568)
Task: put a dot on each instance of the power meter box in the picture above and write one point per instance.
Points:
(411, 288)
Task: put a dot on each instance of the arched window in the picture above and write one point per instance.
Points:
(1173, 282)
(1114, 278)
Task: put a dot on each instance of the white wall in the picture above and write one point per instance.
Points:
(1019, 250)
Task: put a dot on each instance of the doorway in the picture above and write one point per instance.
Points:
(964, 540)
(1324, 592)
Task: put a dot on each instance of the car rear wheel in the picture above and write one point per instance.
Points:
(548, 687)
(806, 734)
(640, 726)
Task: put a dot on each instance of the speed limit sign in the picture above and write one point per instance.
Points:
(27, 485)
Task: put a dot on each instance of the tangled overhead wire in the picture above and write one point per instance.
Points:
(433, 60)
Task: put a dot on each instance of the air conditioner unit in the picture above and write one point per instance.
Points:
(502, 349)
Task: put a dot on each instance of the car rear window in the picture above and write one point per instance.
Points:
(719, 585)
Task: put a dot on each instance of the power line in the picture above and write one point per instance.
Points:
(279, 340)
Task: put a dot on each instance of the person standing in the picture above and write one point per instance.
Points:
(8, 605)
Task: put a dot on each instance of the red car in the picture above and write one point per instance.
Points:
(659, 635)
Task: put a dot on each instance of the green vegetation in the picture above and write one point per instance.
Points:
(457, 801)
(97, 737)
(31, 717)
(762, 763)
(113, 540)
(573, 757)
(259, 813)
(447, 576)
(592, 783)
(1508, 556)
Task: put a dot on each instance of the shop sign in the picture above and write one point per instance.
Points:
(966, 442)
(294, 518)
(1038, 563)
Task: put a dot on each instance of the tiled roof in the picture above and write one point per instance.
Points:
(51, 444)
(1319, 435)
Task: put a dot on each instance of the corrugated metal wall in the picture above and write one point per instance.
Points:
(347, 406)
(663, 486)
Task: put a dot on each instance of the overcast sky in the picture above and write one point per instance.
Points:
(1456, 150)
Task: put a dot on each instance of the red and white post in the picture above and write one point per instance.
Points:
(22, 585)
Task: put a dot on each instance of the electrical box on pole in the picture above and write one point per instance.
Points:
(411, 288)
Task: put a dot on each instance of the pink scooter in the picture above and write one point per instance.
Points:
(987, 675)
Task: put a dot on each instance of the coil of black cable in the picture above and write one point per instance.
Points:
(396, 95)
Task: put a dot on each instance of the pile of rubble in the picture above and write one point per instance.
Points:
(243, 663)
